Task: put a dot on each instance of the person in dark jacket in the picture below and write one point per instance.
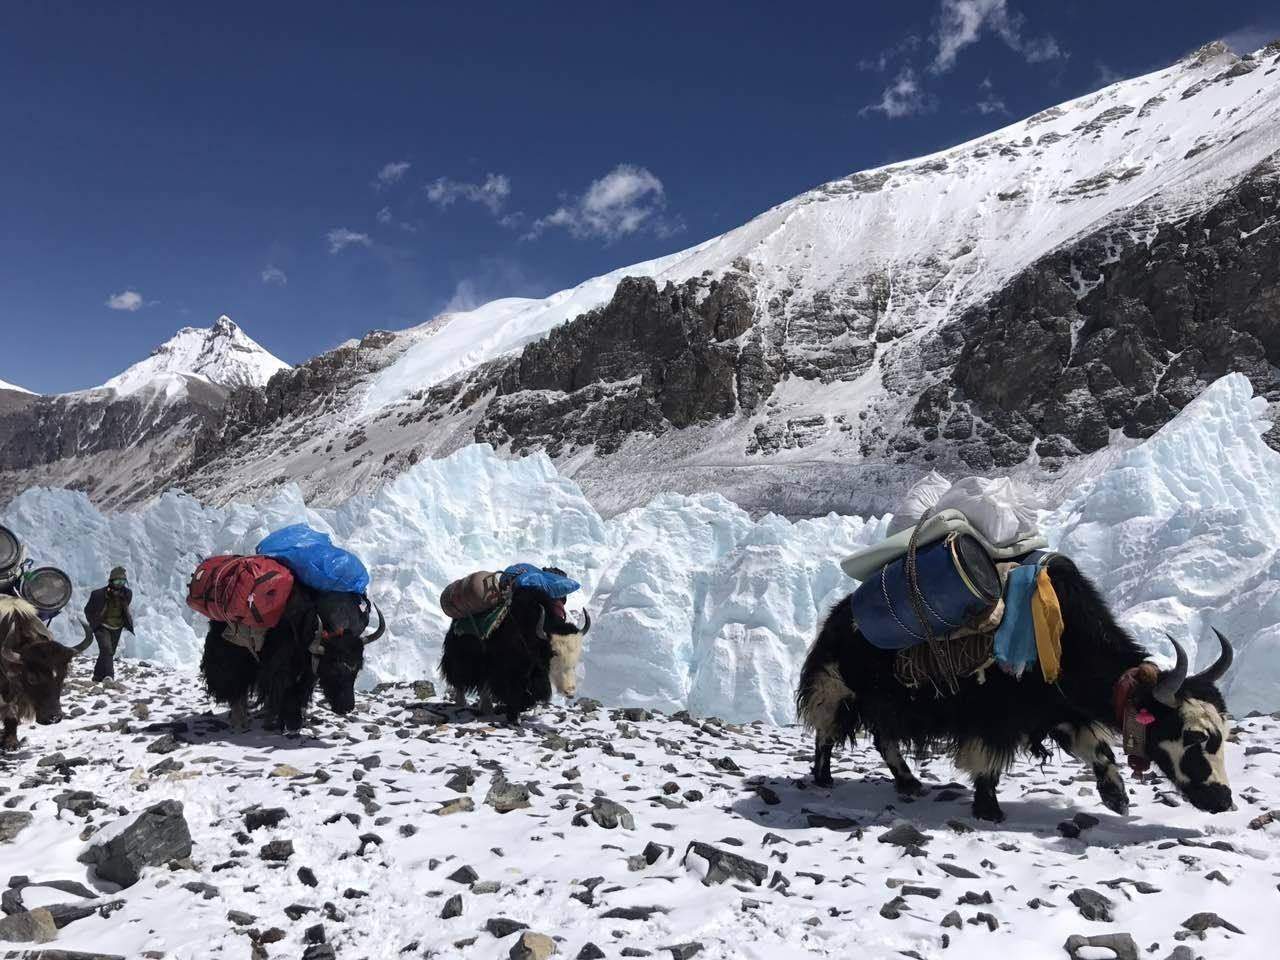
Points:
(108, 615)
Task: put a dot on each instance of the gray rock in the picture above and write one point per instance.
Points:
(904, 834)
(590, 951)
(610, 814)
(501, 927)
(1121, 944)
(268, 817)
(1093, 905)
(276, 850)
(165, 744)
(452, 907)
(464, 875)
(683, 951)
(505, 797)
(160, 834)
(532, 946)
(723, 865)
(962, 873)
(12, 823)
(1199, 922)
(631, 913)
(32, 926)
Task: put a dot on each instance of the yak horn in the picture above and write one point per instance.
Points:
(1166, 690)
(1222, 664)
(11, 655)
(540, 628)
(83, 645)
(586, 623)
(382, 626)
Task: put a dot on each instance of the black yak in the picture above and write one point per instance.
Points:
(33, 668)
(531, 649)
(847, 686)
(319, 640)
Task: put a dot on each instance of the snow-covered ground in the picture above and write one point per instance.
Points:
(695, 604)
(387, 841)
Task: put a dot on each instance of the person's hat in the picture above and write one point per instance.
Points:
(118, 573)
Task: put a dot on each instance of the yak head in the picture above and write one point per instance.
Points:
(337, 652)
(1188, 736)
(34, 664)
(565, 640)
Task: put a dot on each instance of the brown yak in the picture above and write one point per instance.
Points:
(33, 667)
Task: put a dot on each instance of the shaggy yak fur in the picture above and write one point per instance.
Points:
(33, 668)
(847, 687)
(533, 648)
(319, 640)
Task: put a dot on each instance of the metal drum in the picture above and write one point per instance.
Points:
(959, 587)
(10, 553)
(47, 589)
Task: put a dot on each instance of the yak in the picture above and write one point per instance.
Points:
(319, 640)
(33, 668)
(847, 687)
(531, 649)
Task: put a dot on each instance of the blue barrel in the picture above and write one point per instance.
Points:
(959, 585)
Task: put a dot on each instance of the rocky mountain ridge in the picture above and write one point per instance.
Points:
(1021, 303)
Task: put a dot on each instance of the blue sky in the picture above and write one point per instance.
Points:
(320, 169)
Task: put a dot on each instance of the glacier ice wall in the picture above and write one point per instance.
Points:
(695, 604)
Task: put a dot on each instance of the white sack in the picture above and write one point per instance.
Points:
(996, 507)
(922, 498)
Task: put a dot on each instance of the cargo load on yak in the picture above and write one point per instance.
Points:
(959, 585)
(478, 602)
(48, 589)
(249, 594)
(315, 560)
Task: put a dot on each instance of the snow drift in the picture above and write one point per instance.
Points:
(697, 605)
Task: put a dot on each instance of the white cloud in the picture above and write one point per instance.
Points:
(384, 215)
(902, 98)
(130, 300)
(991, 104)
(626, 200)
(340, 238)
(962, 22)
(492, 193)
(274, 275)
(886, 58)
(391, 173)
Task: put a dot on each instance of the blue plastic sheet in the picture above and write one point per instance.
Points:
(314, 559)
(534, 578)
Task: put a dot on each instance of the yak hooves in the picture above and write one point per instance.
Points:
(988, 810)
(826, 781)
(910, 788)
(9, 742)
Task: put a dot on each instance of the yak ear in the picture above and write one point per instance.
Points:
(540, 628)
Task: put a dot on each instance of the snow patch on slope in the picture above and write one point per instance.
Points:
(222, 354)
(6, 385)
(695, 604)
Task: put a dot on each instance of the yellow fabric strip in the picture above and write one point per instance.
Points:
(1047, 617)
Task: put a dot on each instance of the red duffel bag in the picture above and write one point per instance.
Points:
(250, 591)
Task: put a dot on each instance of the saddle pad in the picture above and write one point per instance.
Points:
(864, 563)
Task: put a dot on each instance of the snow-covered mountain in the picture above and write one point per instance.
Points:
(1032, 302)
(222, 354)
(13, 387)
(127, 439)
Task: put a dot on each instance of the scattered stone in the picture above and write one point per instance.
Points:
(532, 946)
(12, 823)
(308, 877)
(904, 834)
(959, 872)
(501, 927)
(269, 817)
(610, 814)
(505, 797)
(276, 850)
(156, 836)
(461, 805)
(207, 891)
(452, 907)
(953, 919)
(590, 951)
(722, 865)
(30, 926)
(1093, 905)
(631, 913)
(1199, 922)
(1120, 944)
(464, 875)
(164, 744)
(683, 951)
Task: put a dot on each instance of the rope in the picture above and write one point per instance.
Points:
(946, 667)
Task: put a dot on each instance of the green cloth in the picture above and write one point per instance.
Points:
(480, 625)
(113, 613)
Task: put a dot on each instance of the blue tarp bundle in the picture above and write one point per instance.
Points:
(314, 559)
(552, 584)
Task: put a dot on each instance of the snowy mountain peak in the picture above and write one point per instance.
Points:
(222, 354)
(13, 387)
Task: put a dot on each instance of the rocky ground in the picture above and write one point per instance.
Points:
(142, 827)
